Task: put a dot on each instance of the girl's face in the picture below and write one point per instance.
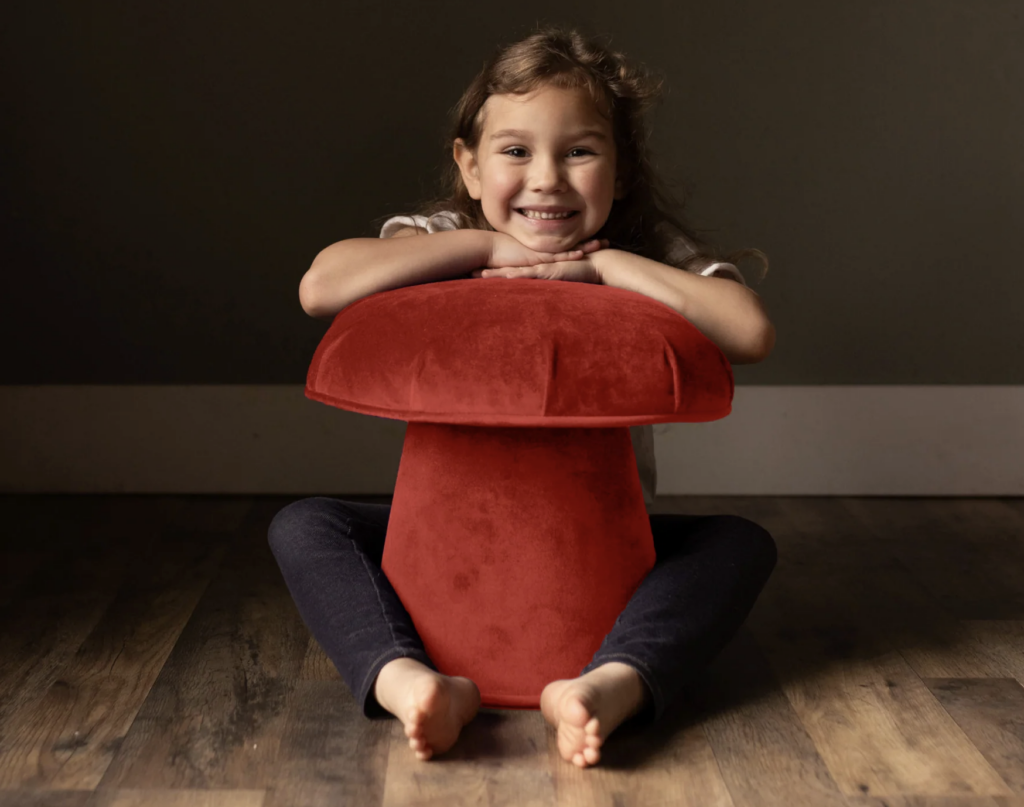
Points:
(547, 149)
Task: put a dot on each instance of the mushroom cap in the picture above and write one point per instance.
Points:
(519, 352)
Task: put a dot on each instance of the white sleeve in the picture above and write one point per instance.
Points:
(682, 248)
(723, 269)
(396, 223)
(435, 224)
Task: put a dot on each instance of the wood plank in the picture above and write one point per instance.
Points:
(67, 737)
(999, 648)
(215, 714)
(45, 624)
(873, 721)
(991, 713)
(901, 613)
(667, 763)
(968, 552)
(932, 640)
(179, 798)
(881, 732)
(29, 797)
(979, 649)
(502, 757)
(316, 666)
(330, 753)
(763, 752)
(937, 801)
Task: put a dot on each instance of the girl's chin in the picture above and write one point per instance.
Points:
(547, 242)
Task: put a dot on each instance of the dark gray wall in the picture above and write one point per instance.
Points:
(169, 171)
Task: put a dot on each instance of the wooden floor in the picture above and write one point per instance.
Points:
(150, 655)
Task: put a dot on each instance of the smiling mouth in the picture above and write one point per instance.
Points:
(534, 216)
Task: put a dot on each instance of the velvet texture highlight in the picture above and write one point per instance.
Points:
(518, 530)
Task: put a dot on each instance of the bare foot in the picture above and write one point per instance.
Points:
(433, 707)
(585, 710)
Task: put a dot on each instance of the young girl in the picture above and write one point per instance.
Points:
(551, 179)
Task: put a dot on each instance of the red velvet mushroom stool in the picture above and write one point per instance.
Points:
(518, 530)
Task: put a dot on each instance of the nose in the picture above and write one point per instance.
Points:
(546, 175)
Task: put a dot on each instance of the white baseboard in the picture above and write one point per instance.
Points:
(271, 439)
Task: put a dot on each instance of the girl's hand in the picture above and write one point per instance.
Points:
(507, 251)
(580, 271)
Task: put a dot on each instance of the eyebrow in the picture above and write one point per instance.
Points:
(524, 135)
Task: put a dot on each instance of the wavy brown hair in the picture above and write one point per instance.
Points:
(648, 220)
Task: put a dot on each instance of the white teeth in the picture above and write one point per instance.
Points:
(533, 214)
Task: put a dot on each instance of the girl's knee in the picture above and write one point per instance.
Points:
(753, 541)
(294, 521)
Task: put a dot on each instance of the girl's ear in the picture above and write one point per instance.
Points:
(468, 167)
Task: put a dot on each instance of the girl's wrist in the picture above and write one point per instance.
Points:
(488, 242)
(599, 260)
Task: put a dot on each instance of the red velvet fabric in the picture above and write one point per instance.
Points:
(518, 530)
(520, 352)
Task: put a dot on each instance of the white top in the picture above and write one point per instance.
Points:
(642, 436)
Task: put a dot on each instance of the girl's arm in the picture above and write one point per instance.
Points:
(358, 267)
(726, 312)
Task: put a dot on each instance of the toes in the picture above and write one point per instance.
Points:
(421, 749)
(591, 755)
(593, 741)
(593, 727)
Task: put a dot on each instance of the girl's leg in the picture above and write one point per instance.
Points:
(708, 573)
(330, 553)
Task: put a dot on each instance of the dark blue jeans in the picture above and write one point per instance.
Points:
(708, 573)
